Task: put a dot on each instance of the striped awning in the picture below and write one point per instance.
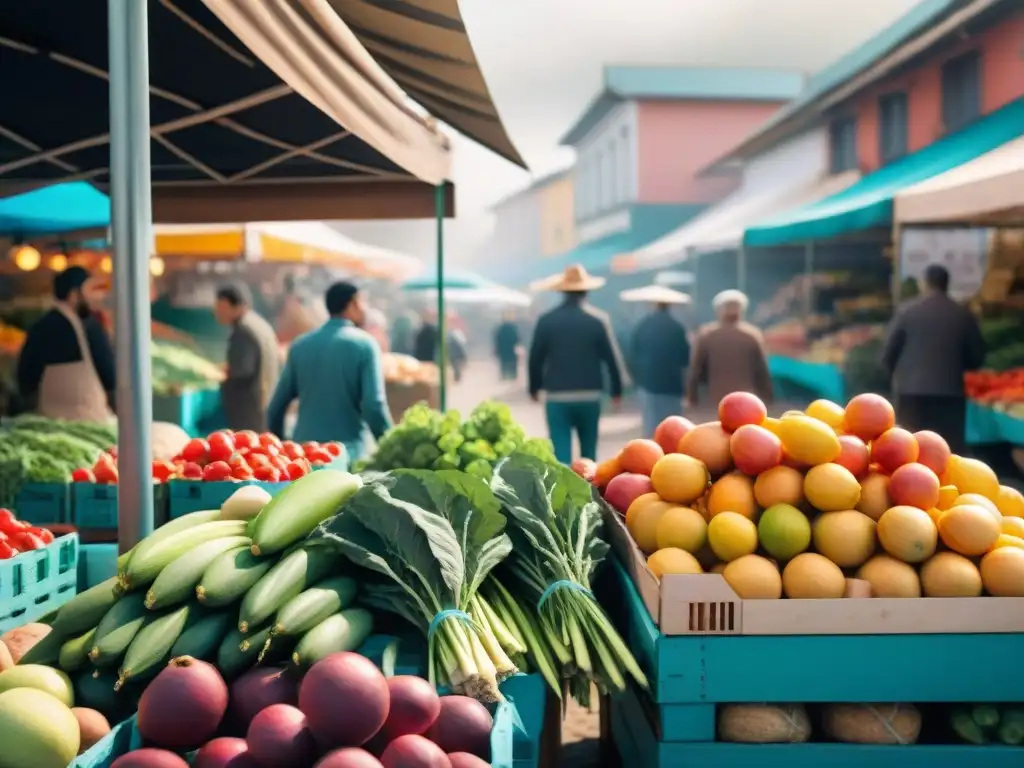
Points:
(424, 46)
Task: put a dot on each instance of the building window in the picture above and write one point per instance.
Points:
(961, 91)
(843, 140)
(892, 126)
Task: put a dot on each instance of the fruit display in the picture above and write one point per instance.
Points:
(176, 367)
(828, 502)
(834, 347)
(406, 369)
(225, 456)
(428, 439)
(1003, 390)
(17, 536)
(34, 449)
(11, 339)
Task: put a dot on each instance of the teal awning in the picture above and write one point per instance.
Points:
(453, 279)
(868, 204)
(61, 208)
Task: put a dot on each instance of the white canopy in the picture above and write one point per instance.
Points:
(655, 294)
(497, 294)
(989, 184)
(721, 227)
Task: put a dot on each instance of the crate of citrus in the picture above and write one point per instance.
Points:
(719, 521)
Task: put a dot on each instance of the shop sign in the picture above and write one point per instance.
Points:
(961, 250)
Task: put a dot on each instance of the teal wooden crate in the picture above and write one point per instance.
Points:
(638, 745)
(34, 583)
(39, 503)
(94, 506)
(96, 563)
(703, 669)
(823, 379)
(192, 409)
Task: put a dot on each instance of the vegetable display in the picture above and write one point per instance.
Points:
(17, 536)
(177, 367)
(428, 439)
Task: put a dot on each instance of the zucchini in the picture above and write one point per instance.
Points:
(84, 610)
(297, 510)
(345, 631)
(117, 629)
(151, 647)
(177, 582)
(964, 726)
(123, 558)
(75, 652)
(300, 568)
(985, 715)
(146, 565)
(233, 659)
(309, 608)
(230, 576)
(201, 638)
(164, 532)
(1011, 727)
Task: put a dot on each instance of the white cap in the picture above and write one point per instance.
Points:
(731, 296)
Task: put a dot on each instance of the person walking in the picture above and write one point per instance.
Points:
(506, 347)
(932, 341)
(66, 365)
(335, 373)
(729, 354)
(659, 353)
(254, 361)
(572, 346)
(425, 343)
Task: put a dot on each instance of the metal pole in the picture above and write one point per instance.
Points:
(132, 217)
(741, 268)
(442, 320)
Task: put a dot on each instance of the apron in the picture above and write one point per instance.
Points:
(73, 391)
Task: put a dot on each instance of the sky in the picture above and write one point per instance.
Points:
(542, 60)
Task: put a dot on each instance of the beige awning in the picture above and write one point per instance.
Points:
(424, 46)
(311, 49)
(979, 190)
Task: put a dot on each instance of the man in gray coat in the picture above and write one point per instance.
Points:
(932, 342)
(254, 362)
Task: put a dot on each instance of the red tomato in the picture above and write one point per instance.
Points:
(192, 471)
(196, 450)
(83, 476)
(259, 460)
(12, 527)
(246, 439)
(26, 540)
(296, 469)
(241, 472)
(267, 474)
(113, 452)
(216, 471)
(237, 460)
(7, 516)
(269, 439)
(319, 455)
(292, 450)
(311, 446)
(44, 534)
(333, 448)
(7, 551)
(105, 471)
(222, 445)
(162, 471)
(281, 462)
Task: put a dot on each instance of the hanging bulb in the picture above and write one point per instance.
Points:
(25, 257)
(106, 265)
(58, 262)
(157, 266)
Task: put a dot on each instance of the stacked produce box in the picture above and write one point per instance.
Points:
(792, 582)
(185, 387)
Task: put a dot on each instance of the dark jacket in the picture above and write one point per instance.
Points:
(931, 343)
(572, 344)
(425, 344)
(253, 369)
(506, 339)
(658, 354)
(52, 341)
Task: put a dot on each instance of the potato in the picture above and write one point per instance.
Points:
(20, 640)
(6, 662)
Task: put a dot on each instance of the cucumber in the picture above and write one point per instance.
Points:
(46, 651)
(151, 647)
(84, 610)
(985, 715)
(297, 510)
(298, 569)
(117, 629)
(123, 558)
(233, 659)
(309, 608)
(201, 638)
(146, 565)
(1011, 727)
(164, 532)
(75, 652)
(964, 726)
(177, 582)
(345, 631)
(230, 576)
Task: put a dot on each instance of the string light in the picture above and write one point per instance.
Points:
(106, 265)
(58, 262)
(157, 266)
(25, 257)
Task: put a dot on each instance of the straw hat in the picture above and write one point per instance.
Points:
(731, 296)
(655, 294)
(575, 279)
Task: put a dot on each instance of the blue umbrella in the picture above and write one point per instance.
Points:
(53, 210)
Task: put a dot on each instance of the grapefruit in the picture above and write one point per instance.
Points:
(968, 529)
(971, 476)
(1010, 502)
(828, 412)
(831, 487)
(779, 485)
(812, 576)
(907, 533)
(1002, 572)
(753, 577)
(731, 536)
(672, 561)
(874, 495)
(808, 440)
(681, 528)
(948, 574)
(890, 577)
(784, 531)
(847, 537)
(710, 444)
(732, 493)
(679, 478)
(640, 456)
(740, 408)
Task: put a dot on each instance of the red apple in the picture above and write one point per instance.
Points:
(624, 488)
(739, 408)
(671, 431)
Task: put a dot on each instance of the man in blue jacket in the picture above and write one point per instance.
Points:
(572, 346)
(335, 372)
